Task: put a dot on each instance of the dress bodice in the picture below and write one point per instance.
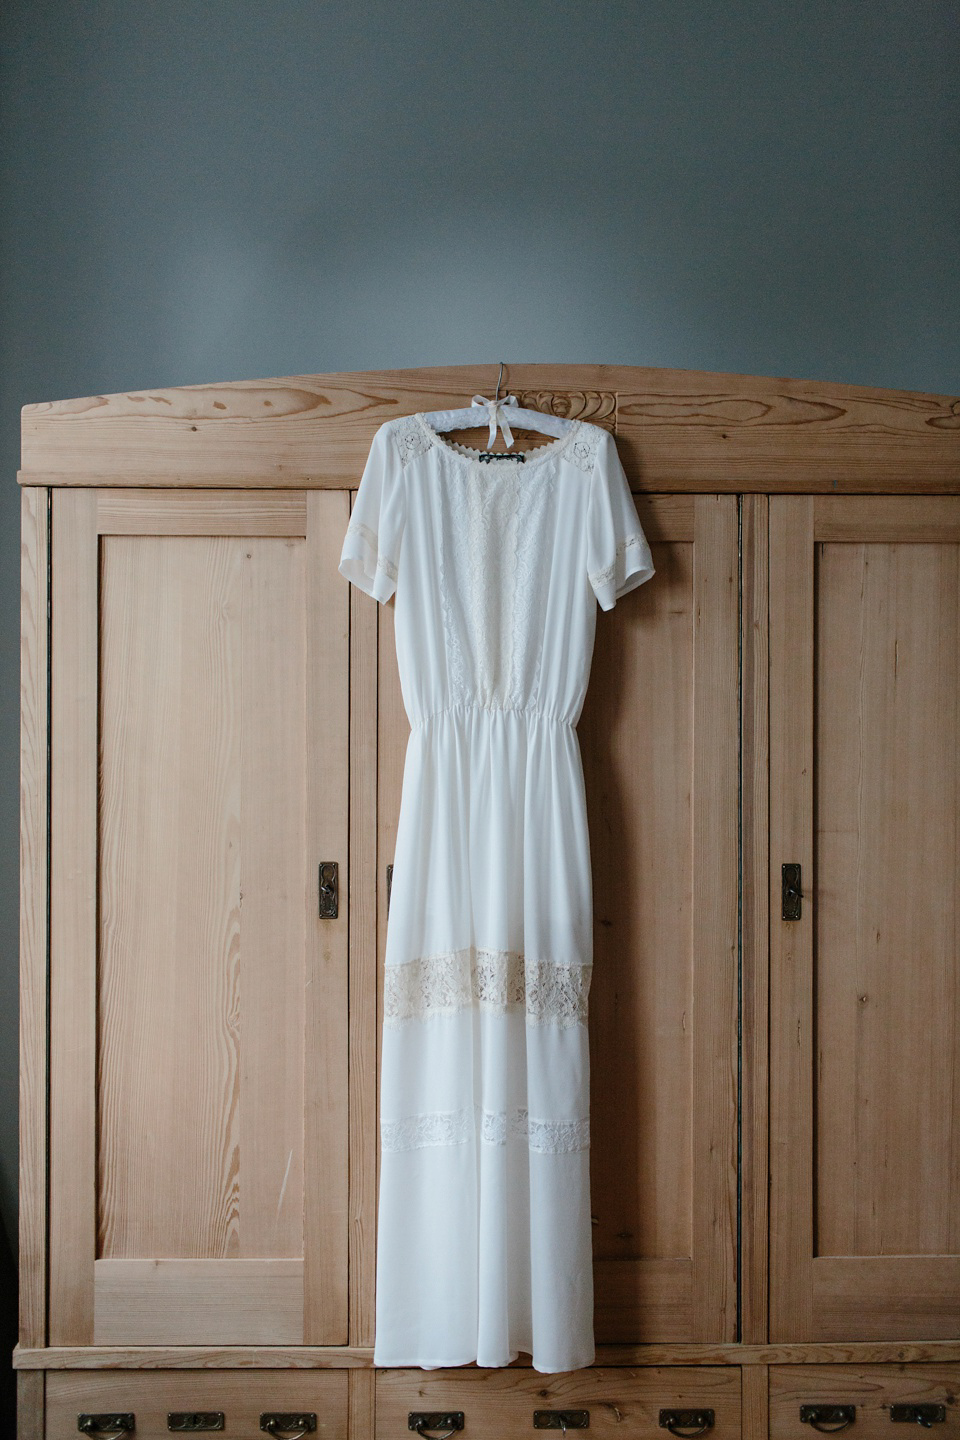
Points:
(498, 567)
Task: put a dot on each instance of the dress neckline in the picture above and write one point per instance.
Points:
(466, 452)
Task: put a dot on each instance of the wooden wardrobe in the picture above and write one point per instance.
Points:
(212, 752)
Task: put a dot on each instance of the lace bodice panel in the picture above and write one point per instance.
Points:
(497, 538)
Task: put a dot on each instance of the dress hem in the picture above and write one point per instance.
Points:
(472, 1360)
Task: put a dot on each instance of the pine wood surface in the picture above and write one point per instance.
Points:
(34, 876)
(675, 429)
(864, 992)
(198, 1064)
(806, 537)
(309, 1357)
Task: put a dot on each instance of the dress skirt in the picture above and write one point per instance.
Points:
(484, 1235)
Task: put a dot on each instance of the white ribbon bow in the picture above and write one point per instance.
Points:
(497, 415)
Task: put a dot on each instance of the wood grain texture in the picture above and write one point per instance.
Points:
(324, 997)
(754, 1403)
(755, 929)
(878, 1297)
(199, 1088)
(676, 429)
(887, 925)
(241, 1397)
(501, 1402)
(311, 1357)
(362, 1397)
(279, 941)
(393, 733)
(636, 736)
(168, 1016)
(200, 1016)
(34, 876)
(170, 511)
(791, 941)
(31, 1418)
(871, 1388)
(865, 1001)
(198, 1302)
(363, 895)
(896, 518)
(647, 1299)
(715, 922)
(659, 752)
(73, 917)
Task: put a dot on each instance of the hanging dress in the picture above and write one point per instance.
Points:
(484, 1239)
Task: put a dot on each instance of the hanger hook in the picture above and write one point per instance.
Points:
(499, 378)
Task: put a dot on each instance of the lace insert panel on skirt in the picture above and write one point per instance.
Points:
(495, 1127)
(497, 981)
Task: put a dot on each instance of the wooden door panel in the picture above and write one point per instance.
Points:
(865, 986)
(659, 742)
(887, 770)
(200, 1036)
(196, 1302)
(198, 1100)
(636, 736)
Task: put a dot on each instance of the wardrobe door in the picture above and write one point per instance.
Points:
(659, 743)
(865, 979)
(198, 1055)
(659, 739)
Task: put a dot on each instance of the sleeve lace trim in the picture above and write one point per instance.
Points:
(357, 527)
(603, 577)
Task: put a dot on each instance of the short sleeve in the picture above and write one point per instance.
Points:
(618, 556)
(371, 546)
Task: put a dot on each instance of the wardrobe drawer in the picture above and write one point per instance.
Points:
(872, 1389)
(502, 1402)
(151, 1396)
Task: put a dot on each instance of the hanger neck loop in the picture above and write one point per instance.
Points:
(496, 413)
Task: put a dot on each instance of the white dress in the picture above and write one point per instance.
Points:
(484, 1240)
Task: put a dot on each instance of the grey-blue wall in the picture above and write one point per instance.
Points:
(214, 191)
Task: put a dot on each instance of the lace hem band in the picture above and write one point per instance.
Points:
(497, 981)
(492, 1127)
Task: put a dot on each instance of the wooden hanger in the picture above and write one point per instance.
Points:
(503, 412)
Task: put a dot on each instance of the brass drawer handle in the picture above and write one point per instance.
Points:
(193, 1422)
(298, 1424)
(687, 1422)
(108, 1427)
(916, 1414)
(561, 1420)
(828, 1417)
(424, 1420)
